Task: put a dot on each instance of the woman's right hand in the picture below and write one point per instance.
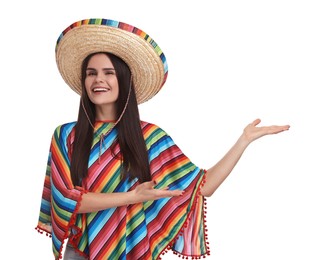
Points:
(146, 191)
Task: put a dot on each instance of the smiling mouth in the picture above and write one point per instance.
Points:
(100, 90)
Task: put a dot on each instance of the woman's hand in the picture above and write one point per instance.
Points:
(252, 132)
(219, 172)
(146, 191)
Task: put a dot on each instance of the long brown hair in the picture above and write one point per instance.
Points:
(134, 156)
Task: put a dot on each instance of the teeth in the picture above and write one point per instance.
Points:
(99, 89)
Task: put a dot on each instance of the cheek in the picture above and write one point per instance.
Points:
(88, 83)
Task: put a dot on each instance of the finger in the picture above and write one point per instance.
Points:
(256, 122)
(177, 192)
(278, 129)
(286, 127)
(274, 129)
(170, 193)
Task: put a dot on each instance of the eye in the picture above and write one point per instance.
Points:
(90, 73)
(109, 72)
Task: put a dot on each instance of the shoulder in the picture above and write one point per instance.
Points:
(151, 129)
(64, 129)
(153, 134)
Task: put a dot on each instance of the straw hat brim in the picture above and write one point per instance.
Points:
(139, 51)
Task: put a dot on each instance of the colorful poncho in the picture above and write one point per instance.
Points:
(139, 231)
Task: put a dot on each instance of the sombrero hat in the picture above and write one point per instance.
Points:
(139, 51)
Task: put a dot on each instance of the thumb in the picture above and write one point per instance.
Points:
(149, 184)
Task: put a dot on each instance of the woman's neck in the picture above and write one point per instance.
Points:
(104, 113)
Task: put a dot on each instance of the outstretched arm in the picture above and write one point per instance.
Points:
(146, 191)
(93, 201)
(220, 171)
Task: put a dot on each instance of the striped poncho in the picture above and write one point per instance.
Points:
(138, 231)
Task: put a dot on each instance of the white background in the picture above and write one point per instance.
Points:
(229, 63)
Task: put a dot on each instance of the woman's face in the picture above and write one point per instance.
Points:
(101, 81)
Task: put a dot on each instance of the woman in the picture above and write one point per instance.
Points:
(115, 186)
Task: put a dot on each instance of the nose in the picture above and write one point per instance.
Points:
(99, 77)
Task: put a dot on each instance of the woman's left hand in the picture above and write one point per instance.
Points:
(253, 132)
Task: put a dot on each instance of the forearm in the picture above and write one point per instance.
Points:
(220, 171)
(93, 202)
